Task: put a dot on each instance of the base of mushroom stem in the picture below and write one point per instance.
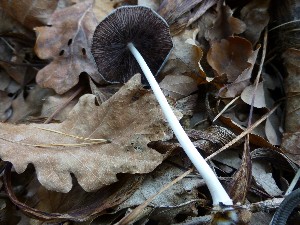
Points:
(230, 215)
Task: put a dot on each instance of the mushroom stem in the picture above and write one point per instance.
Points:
(216, 189)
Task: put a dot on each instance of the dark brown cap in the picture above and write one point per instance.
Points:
(140, 25)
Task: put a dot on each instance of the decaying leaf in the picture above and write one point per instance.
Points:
(5, 107)
(67, 41)
(225, 24)
(30, 13)
(256, 17)
(130, 119)
(230, 56)
(185, 56)
(211, 139)
(181, 192)
(52, 103)
(31, 105)
(234, 58)
(241, 181)
(52, 206)
(176, 13)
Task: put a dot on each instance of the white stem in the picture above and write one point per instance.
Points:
(216, 189)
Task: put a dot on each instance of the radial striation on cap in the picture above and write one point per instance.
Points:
(136, 24)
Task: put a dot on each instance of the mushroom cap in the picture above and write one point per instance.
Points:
(139, 25)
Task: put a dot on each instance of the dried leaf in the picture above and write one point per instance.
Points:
(230, 56)
(177, 87)
(103, 8)
(211, 139)
(181, 192)
(225, 24)
(5, 107)
(264, 161)
(272, 129)
(292, 88)
(256, 17)
(241, 181)
(31, 105)
(67, 41)
(185, 56)
(130, 120)
(30, 13)
(234, 58)
(259, 92)
(291, 143)
(77, 205)
(204, 6)
(52, 103)
(175, 13)
(291, 139)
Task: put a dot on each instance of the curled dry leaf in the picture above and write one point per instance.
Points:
(225, 24)
(30, 13)
(241, 181)
(67, 41)
(130, 119)
(264, 161)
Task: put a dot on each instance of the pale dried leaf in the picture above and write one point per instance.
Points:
(52, 103)
(259, 92)
(67, 41)
(272, 130)
(164, 174)
(178, 86)
(130, 120)
(103, 8)
(263, 176)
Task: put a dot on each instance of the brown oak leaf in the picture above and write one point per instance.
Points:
(130, 119)
(67, 41)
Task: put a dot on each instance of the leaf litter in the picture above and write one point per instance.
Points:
(216, 53)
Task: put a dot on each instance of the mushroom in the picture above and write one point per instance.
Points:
(135, 39)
